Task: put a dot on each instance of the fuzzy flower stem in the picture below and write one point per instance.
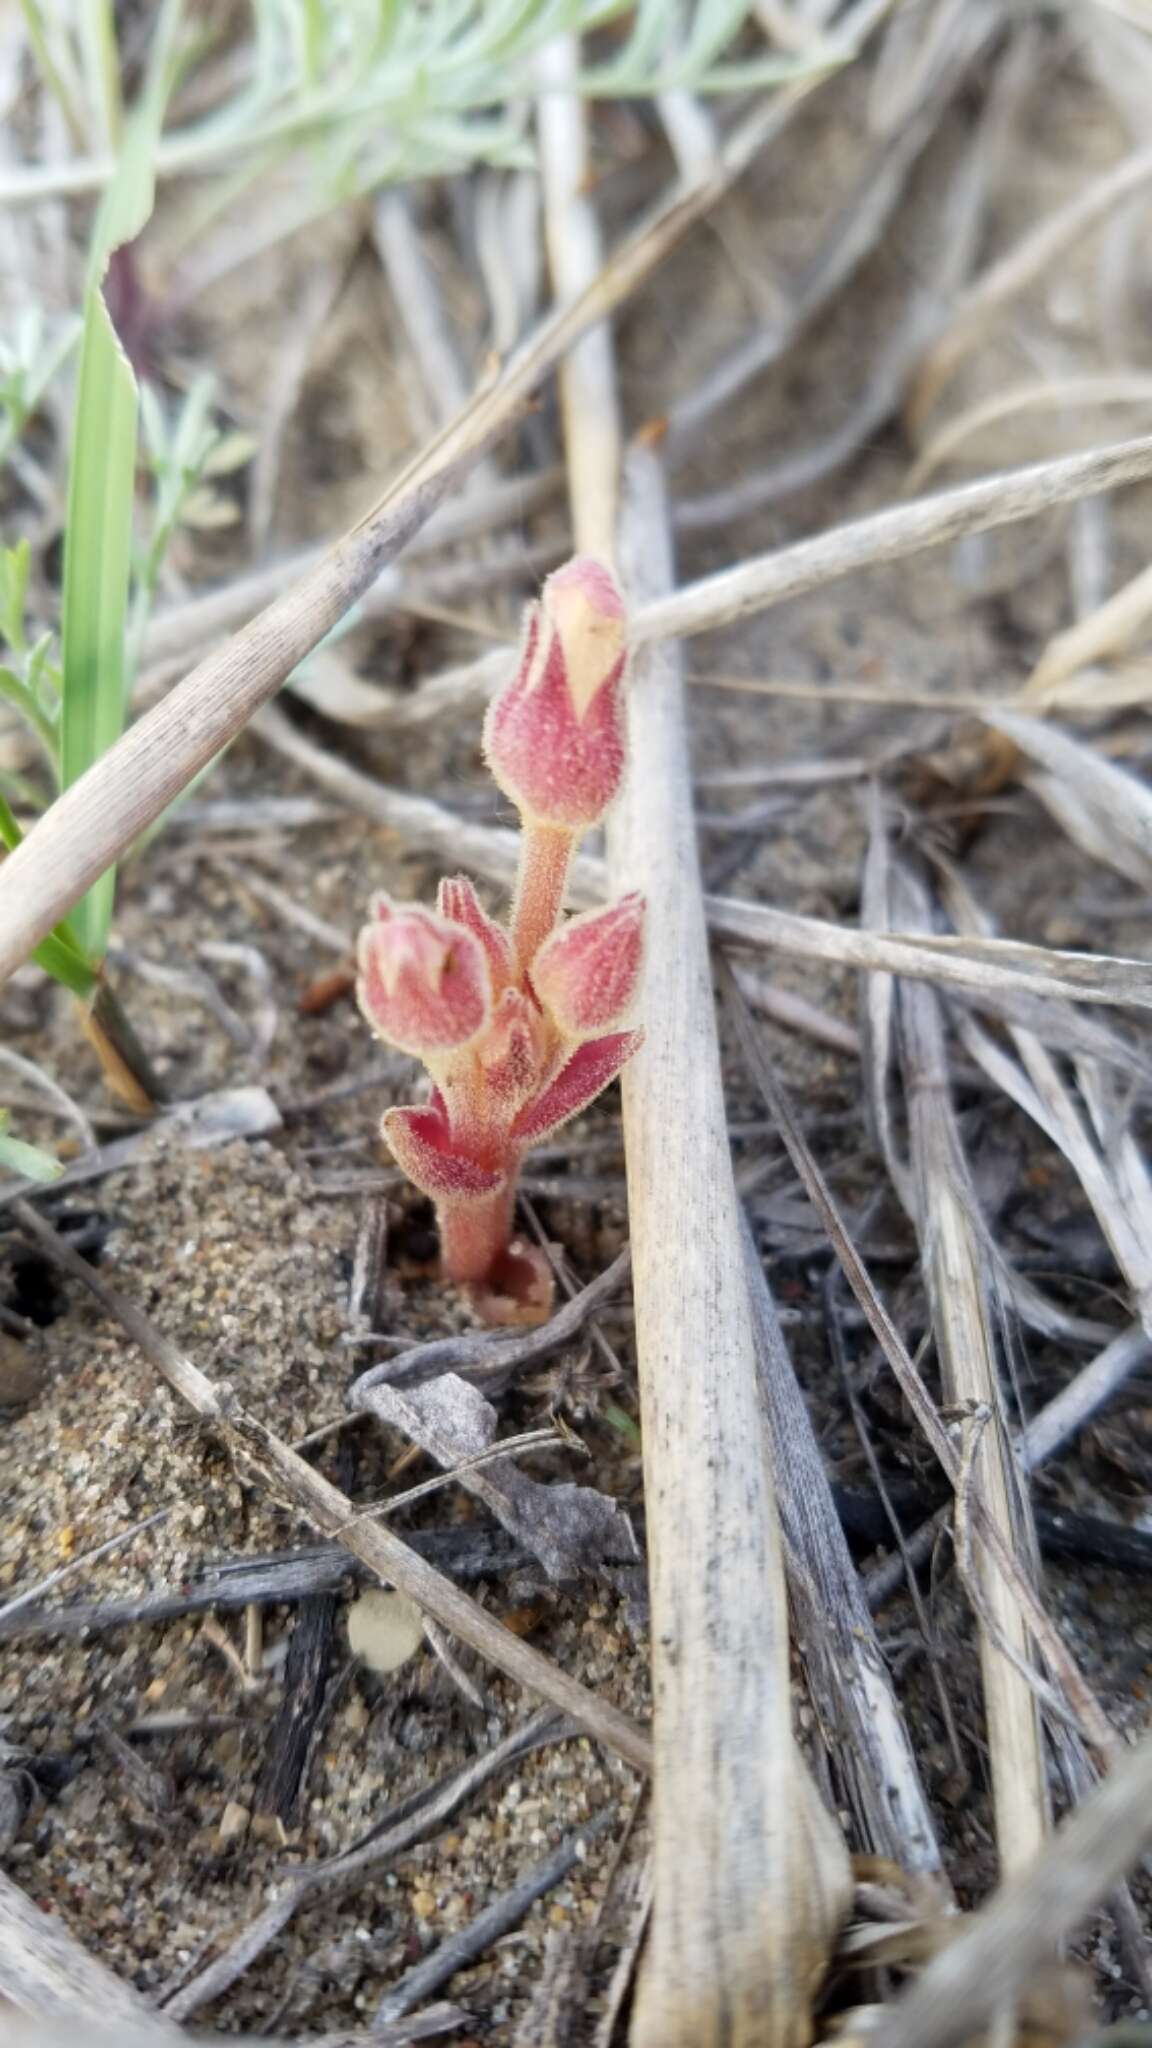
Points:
(545, 857)
(473, 1234)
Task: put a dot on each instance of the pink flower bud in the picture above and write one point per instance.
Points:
(578, 1083)
(457, 899)
(423, 982)
(554, 737)
(586, 974)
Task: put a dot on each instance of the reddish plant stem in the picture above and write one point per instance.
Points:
(545, 857)
(474, 1233)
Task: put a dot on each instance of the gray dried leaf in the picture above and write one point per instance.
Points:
(571, 1529)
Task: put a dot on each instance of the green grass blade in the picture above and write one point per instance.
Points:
(97, 562)
(101, 481)
(26, 1160)
(59, 954)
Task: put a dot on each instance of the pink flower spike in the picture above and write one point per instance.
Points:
(420, 1143)
(457, 899)
(554, 737)
(424, 983)
(587, 973)
(578, 1083)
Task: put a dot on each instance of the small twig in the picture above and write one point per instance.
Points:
(470, 1551)
(1076, 1403)
(283, 1777)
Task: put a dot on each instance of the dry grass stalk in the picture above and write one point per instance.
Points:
(976, 964)
(848, 1679)
(102, 814)
(588, 403)
(1020, 266)
(1094, 1725)
(292, 1480)
(43, 1970)
(748, 1885)
(981, 1974)
(960, 1282)
(1092, 1135)
(890, 535)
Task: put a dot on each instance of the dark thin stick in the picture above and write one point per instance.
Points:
(472, 1551)
(305, 1685)
(499, 1918)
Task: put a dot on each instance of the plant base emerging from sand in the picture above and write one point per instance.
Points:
(519, 1026)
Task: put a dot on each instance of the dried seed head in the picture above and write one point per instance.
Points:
(424, 982)
(554, 737)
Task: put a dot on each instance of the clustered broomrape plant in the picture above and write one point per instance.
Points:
(519, 1026)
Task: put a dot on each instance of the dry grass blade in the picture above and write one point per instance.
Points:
(890, 535)
(1079, 393)
(488, 1358)
(588, 402)
(745, 1895)
(102, 814)
(1020, 266)
(293, 1480)
(1098, 1146)
(981, 1974)
(1100, 804)
(970, 962)
(1106, 631)
(864, 1732)
(960, 1283)
(1094, 1724)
